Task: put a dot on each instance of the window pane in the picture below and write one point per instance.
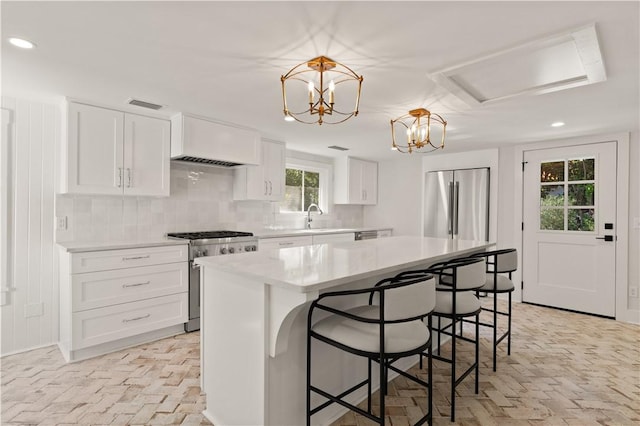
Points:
(582, 169)
(552, 195)
(552, 172)
(310, 197)
(581, 194)
(552, 219)
(311, 180)
(292, 199)
(293, 177)
(580, 220)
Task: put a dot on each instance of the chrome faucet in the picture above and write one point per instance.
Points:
(309, 220)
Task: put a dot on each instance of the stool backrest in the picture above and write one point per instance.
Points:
(505, 260)
(408, 297)
(468, 272)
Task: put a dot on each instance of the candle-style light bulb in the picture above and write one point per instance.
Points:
(332, 88)
(311, 90)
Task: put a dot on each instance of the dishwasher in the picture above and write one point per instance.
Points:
(366, 235)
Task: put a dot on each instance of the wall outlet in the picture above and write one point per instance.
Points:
(633, 291)
(61, 223)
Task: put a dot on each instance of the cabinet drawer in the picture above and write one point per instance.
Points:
(105, 260)
(333, 238)
(284, 242)
(99, 289)
(102, 325)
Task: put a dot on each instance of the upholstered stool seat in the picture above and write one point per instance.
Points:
(502, 284)
(466, 303)
(365, 337)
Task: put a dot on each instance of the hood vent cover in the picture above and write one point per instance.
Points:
(144, 104)
(197, 160)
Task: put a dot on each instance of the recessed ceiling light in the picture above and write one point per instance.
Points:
(557, 124)
(22, 43)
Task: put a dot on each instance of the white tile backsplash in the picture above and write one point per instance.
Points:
(201, 199)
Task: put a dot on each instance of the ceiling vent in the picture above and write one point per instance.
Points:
(559, 62)
(339, 148)
(143, 104)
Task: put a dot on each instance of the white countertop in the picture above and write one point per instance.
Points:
(319, 266)
(274, 233)
(79, 247)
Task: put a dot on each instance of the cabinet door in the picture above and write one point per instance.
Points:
(369, 179)
(356, 192)
(274, 166)
(95, 150)
(146, 155)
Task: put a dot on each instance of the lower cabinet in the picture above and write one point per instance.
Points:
(111, 299)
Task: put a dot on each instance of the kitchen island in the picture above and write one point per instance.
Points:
(254, 311)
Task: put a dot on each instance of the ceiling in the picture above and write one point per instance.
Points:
(224, 60)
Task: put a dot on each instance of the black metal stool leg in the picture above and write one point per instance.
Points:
(495, 328)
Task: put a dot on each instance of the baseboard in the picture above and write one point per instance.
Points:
(19, 351)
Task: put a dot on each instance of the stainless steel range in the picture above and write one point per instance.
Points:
(210, 243)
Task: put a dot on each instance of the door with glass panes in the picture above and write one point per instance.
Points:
(569, 229)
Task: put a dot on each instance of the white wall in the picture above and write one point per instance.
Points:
(30, 316)
(399, 196)
(634, 212)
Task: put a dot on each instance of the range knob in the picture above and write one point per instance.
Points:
(250, 248)
(232, 250)
(223, 250)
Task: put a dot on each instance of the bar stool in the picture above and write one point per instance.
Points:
(385, 331)
(498, 262)
(456, 300)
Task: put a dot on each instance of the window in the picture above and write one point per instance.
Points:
(567, 195)
(305, 183)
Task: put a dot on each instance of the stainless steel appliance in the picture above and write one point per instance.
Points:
(456, 204)
(366, 235)
(210, 243)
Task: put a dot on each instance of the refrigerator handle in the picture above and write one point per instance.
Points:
(451, 211)
(455, 208)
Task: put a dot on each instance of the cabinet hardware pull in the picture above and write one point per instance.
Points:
(287, 243)
(128, 177)
(270, 188)
(135, 285)
(136, 318)
(265, 187)
(119, 184)
(136, 257)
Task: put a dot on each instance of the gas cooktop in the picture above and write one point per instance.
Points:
(207, 235)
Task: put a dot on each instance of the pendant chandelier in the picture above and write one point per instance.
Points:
(415, 130)
(323, 87)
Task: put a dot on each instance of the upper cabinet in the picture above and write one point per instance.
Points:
(355, 181)
(206, 141)
(263, 182)
(114, 152)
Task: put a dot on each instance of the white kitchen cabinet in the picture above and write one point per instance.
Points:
(333, 238)
(111, 299)
(284, 242)
(209, 142)
(263, 182)
(384, 233)
(355, 181)
(116, 153)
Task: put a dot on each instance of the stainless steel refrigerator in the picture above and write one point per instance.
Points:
(456, 204)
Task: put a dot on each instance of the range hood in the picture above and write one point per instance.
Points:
(205, 141)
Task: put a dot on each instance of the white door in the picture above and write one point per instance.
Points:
(146, 155)
(95, 150)
(569, 209)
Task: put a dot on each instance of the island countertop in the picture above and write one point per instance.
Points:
(316, 267)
